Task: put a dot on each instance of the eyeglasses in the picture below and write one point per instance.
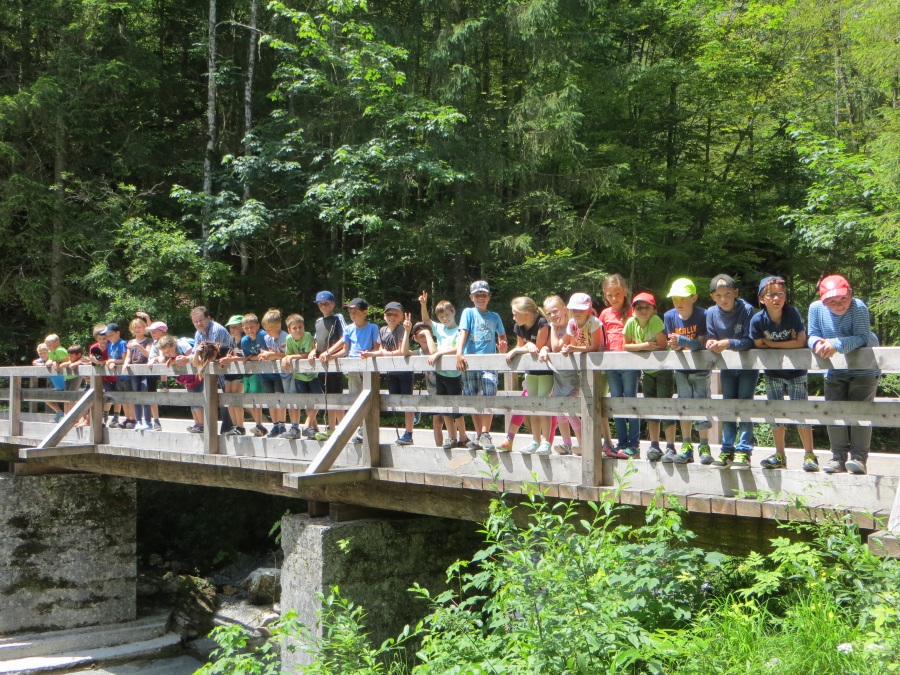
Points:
(773, 296)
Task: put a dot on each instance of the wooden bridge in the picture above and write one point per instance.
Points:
(337, 475)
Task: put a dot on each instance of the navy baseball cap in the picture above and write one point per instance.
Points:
(393, 305)
(325, 296)
(770, 280)
(357, 303)
(110, 328)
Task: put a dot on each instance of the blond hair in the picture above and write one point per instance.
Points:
(524, 304)
(273, 315)
(138, 321)
(444, 306)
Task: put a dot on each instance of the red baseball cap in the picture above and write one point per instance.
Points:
(833, 286)
(644, 297)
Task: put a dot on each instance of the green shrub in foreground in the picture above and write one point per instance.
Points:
(564, 595)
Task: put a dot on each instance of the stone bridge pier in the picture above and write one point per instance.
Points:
(67, 551)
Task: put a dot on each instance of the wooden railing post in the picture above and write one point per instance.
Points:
(210, 413)
(371, 428)
(15, 405)
(32, 384)
(592, 415)
(96, 412)
(715, 389)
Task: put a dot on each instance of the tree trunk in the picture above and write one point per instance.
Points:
(57, 272)
(248, 119)
(210, 121)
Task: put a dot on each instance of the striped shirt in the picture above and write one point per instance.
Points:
(847, 333)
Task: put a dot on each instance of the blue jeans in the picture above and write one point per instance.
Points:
(624, 384)
(738, 384)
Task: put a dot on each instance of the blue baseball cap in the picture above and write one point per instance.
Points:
(770, 280)
(325, 296)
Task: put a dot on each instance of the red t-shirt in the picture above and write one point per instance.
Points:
(103, 358)
(614, 328)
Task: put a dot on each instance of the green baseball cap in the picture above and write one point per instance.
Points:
(682, 288)
(235, 320)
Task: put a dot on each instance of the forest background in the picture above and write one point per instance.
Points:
(158, 154)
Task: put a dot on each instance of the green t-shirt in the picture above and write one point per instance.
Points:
(304, 346)
(635, 333)
(59, 355)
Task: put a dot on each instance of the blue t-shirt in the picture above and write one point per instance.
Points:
(689, 331)
(483, 331)
(253, 346)
(116, 350)
(276, 345)
(790, 326)
(360, 339)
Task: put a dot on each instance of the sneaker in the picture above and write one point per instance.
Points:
(563, 448)
(619, 452)
(741, 460)
(486, 442)
(292, 433)
(449, 444)
(685, 456)
(544, 449)
(463, 444)
(310, 434)
(629, 453)
(473, 444)
(157, 426)
(724, 461)
(608, 450)
(705, 453)
(505, 445)
(835, 466)
(275, 431)
(115, 423)
(357, 437)
(576, 450)
(323, 435)
(530, 448)
(58, 417)
(236, 431)
(856, 466)
(774, 462)
(655, 453)
(810, 463)
(142, 426)
(405, 439)
(259, 431)
(129, 424)
(195, 429)
(670, 455)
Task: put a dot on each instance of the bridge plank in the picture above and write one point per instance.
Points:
(482, 405)
(57, 451)
(334, 477)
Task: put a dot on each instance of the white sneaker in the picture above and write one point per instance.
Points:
(531, 448)
(141, 426)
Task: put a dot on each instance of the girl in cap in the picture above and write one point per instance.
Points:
(532, 336)
(234, 382)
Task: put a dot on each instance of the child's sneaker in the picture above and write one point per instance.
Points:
(405, 439)
(608, 450)
(834, 466)
(486, 442)
(275, 431)
(129, 424)
(741, 460)
(576, 450)
(530, 448)
(114, 423)
(195, 429)
(810, 463)
(505, 445)
(655, 453)
(449, 443)
(774, 462)
(58, 417)
(157, 426)
(686, 456)
(323, 435)
(235, 431)
(724, 461)
(563, 448)
(357, 437)
(670, 454)
(310, 434)
(705, 453)
(259, 431)
(544, 448)
(292, 433)
(856, 465)
(629, 453)
(473, 444)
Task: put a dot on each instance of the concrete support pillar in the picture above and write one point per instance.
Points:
(383, 558)
(67, 551)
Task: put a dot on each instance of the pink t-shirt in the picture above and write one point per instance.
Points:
(614, 325)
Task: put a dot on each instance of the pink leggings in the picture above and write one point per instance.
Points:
(517, 420)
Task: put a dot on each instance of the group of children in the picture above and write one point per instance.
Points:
(838, 322)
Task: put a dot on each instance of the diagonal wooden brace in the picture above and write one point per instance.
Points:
(345, 430)
(66, 423)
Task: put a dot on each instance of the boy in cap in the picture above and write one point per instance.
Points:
(480, 332)
(360, 340)
(839, 323)
(645, 332)
(728, 327)
(685, 327)
(779, 326)
(116, 349)
(329, 329)
(394, 338)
